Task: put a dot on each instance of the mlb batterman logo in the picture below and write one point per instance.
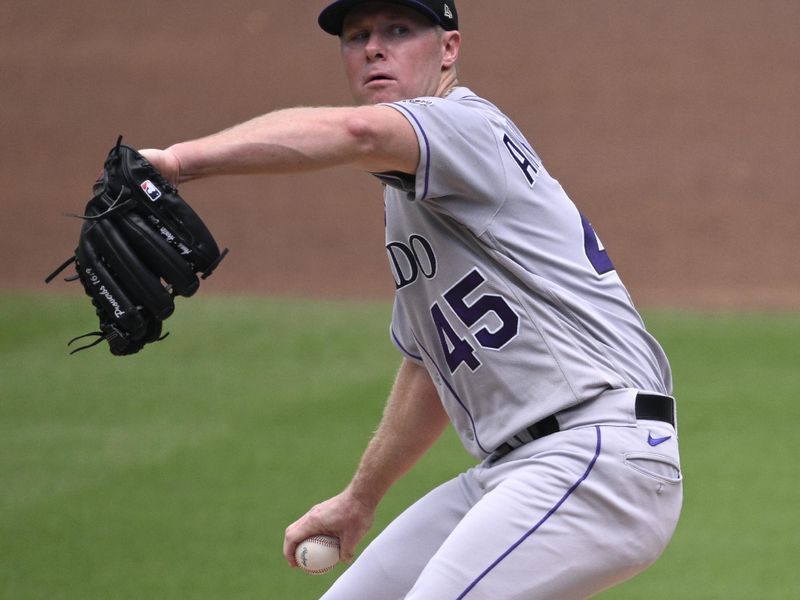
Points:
(151, 190)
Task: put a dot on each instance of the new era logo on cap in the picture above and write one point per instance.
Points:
(447, 12)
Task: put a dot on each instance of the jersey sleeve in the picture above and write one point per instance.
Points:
(460, 168)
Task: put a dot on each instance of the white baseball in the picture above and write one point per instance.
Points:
(318, 554)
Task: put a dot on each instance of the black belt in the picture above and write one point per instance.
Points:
(649, 407)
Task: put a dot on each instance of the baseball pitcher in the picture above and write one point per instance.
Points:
(513, 325)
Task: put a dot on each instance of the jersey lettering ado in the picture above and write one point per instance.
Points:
(504, 291)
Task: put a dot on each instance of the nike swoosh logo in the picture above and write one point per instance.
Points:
(656, 441)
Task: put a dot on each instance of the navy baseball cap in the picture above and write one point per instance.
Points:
(441, 12)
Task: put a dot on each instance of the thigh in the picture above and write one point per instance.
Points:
(389, 566)
(567, 521)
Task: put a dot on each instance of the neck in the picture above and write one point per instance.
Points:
(448, 82)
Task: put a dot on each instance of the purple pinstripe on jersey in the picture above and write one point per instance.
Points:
(403, 348)
(455, 395)
(427, 148)
(533, 530)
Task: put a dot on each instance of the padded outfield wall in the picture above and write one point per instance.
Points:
(672, 124)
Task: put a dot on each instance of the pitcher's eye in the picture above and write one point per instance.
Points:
(356, 36)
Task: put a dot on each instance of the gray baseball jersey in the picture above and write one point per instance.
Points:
(504, 291)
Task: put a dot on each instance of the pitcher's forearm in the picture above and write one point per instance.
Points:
(413, 420)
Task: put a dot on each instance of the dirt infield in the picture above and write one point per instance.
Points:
(674, 126)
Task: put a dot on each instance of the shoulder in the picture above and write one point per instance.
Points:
(460, 114)
(459, 99)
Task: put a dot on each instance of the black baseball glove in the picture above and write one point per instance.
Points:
(140, 245)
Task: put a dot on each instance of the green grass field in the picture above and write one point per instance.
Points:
(173, 473)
